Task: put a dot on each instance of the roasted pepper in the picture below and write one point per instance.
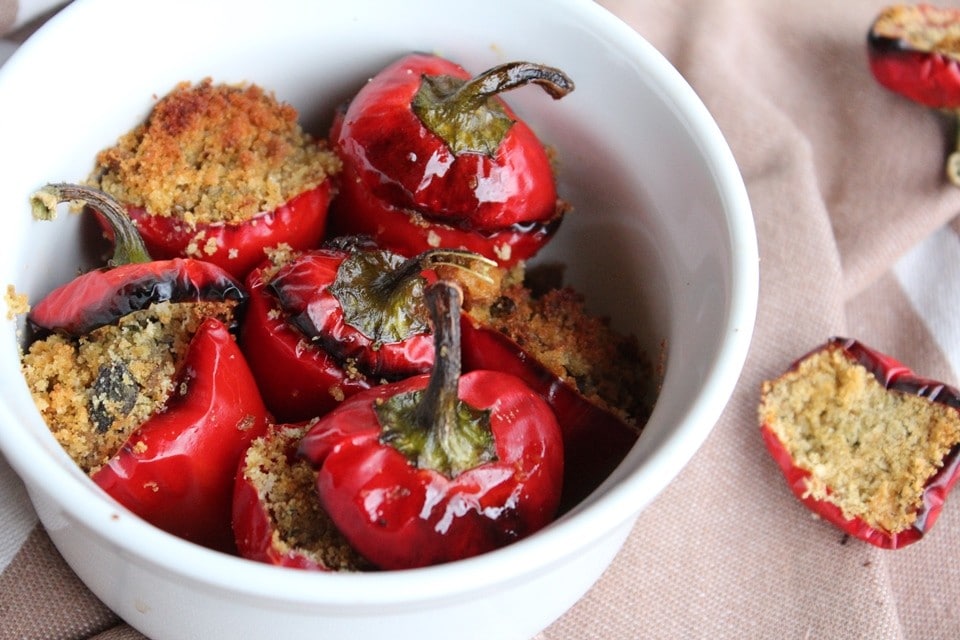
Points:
(863, 441)
(438, 467)
(339, 319)
(433, 158)
(176, 468)
(914, 50)
(133, 280)
(364, 305)
(221, 172)
(297, 377)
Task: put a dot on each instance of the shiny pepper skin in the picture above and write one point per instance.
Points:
(420, 171)
(176, 470)
(237, 248)
(438, 467)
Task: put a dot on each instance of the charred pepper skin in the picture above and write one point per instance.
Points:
(299, 380)
(131, 282)
(405, 501)
(895, 376)
(420, 173)
(101, 297)
(307, 291)
(914, 51)
(176, 470)
(364, 304)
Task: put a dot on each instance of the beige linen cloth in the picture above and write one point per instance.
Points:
(858, 235)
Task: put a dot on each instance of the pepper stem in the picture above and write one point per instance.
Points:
(433, 428)
(382, 294)
(438, 406)
(512, 75)
(467, 260)
(462, 112)
(128, 247)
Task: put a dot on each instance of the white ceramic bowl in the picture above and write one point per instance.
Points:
(662, 239)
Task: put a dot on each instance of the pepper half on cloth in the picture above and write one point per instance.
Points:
(434, 158)
(864, 442)
(140, 380)
(438, 467)
(914, 51)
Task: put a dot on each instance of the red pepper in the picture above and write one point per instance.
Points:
(914, 50)
(204, 174)
(434, 158)
(364, 305)
(297, 377)
(132, 282)
(176, 469)
(896, 378)
(595, 439)
(300, 224)
(438, 467)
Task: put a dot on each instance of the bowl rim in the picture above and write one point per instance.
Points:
(618, 505)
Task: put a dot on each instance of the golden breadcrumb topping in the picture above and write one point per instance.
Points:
(214, 153)
(93, 392)
(555, 327)
(870, 450)
(924, 27)
(287, 485)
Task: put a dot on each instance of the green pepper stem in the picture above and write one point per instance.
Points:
(433, 427)
(128, 247)
(461, 112)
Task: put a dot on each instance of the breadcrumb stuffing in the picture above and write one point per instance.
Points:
(214, 154)
(95, 390)
(555, 327)
(870, 450)
(924, 27)
(287, 485)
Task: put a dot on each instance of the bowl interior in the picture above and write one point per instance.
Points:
(661, 238)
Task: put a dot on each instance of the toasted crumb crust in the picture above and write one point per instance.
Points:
(94, 391)
(214, 153)
(582, 349)
(287, 485)
(870, 450)
(924, 27)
